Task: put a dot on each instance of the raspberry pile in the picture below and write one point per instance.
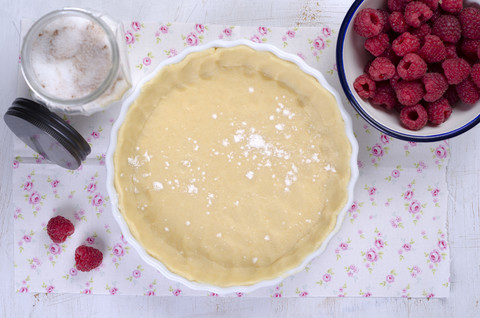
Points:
(426, 58)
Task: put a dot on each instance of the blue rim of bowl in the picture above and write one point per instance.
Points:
(353, 101)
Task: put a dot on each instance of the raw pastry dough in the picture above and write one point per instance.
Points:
(232, 166)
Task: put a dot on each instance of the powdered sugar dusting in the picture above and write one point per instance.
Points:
(239, 135)
(192, 189)
(256, 141)
(157, 186)
(134, 161)
(291, 177)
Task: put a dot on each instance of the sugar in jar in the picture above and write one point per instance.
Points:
(74, 61)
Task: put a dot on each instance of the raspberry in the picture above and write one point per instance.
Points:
(87, 258)
(414, 117)
(395, 80)
(435, 16)
(470, 21)
(389, 54)
(475, 74)
(368, 22)
(432, 4)
(452, 6)
(456, 70)
(377, 44)
(384, 96)
(397, 5)
(411, 67)
(439, 111)
(469, 49)
(384, 15)
(433, 50)
(364, 86)
(468, 91)
(405, 43)
(409, 92)
(381, 69)
(448, 28)
(451, 50)
(416, 13)
(422, 31)
(451, 95)
(397, 22)
(58, 228)
(435, 86)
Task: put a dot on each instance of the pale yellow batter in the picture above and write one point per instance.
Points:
(232, 166)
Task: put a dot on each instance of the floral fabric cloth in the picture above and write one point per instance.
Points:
(393, 242)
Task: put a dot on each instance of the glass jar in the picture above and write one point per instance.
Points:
(74, 61)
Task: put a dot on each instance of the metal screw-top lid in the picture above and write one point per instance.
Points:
(47, 133)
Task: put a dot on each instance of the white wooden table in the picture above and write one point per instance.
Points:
(463, 177)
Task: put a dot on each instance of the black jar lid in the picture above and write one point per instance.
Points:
(47, 133)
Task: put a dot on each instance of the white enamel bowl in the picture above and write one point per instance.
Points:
(351, 60)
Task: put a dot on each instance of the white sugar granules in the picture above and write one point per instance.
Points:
(71, 57)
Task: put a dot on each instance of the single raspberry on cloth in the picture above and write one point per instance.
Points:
(87, 258)
(414, 117)
(59, 228)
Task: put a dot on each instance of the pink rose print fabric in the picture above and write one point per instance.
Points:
(392, 243)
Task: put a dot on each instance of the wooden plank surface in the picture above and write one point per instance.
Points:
(463, 176)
